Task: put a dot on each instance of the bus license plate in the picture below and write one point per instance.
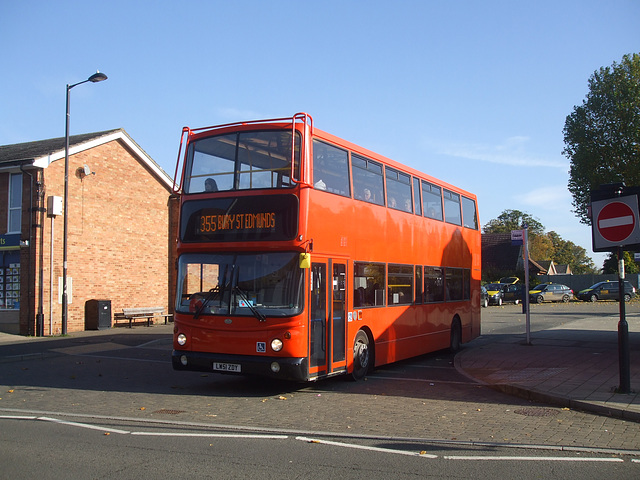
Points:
(227, 367)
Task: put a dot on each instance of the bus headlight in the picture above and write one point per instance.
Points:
(182, 339)
(276, 344)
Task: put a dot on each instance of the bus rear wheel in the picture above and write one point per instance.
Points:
(362, 355)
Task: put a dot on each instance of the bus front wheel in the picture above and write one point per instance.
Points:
(362, 355)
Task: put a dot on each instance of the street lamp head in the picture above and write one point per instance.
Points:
(97, 77)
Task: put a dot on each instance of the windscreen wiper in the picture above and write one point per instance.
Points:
(253, 309)
(212, 293)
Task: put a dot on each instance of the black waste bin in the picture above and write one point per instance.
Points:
(97, 314)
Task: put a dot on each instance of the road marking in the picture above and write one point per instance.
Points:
(145, 434)
(364, 447)
(83, 425)
(210, 435)
(326, 442)
(535, 459)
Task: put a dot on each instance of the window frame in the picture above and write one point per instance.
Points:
(14, 203)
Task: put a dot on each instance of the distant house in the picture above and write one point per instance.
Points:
(563, 269)
(120, 224)
(501, 258)
(548, 266)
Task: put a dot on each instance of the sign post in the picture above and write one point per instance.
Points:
(521, 237)
(615, 224)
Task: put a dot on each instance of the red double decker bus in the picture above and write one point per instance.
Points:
(302, 256)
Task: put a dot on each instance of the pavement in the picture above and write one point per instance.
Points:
(575, 366)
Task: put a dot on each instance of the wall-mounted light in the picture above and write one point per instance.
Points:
(84, 171)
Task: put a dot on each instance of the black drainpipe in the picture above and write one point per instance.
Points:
(39, 324)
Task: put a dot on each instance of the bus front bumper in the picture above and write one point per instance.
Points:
(273, 367)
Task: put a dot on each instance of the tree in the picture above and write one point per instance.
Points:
(611, 263)
(602, 136)
(567, 252)
(513, 220)
(542, 245)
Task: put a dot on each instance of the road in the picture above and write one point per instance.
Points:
(109, 404)
(47, 449)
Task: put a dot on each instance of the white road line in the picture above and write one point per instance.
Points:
(84, 425)
(146, 434)
(535, 459)
(363, 447)
(210, 435)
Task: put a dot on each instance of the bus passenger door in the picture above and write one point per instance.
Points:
(339, 317)
(327, 318)
(318, 319)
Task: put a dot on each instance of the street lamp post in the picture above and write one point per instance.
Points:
(96, 77)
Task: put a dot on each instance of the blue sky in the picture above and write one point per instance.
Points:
(472, 92)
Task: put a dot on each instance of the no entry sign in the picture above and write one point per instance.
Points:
(615, 222)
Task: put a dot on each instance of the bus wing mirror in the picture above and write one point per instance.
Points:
(305, 260)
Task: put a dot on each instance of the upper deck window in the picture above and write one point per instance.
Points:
(452, 208)
(432, 201)
(241, 161)
(398, 190)
(331, 169)
(367, 180)
(469, 215)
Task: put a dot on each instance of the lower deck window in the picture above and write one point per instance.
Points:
(368, 284)
(433, 284)
(400, 284)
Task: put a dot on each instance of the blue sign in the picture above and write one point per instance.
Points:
(10, 241)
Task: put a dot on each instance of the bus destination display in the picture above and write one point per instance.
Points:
(254, 218)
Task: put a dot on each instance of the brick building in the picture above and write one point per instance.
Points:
(121, 215)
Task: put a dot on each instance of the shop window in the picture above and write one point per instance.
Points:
(10, 280)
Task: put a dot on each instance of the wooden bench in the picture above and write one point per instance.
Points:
(141, 314)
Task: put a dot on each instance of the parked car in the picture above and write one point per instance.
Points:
(509, 280)
(606, 291)
(550, 292)
(484, 297)
(513, 293)
(495, 293)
